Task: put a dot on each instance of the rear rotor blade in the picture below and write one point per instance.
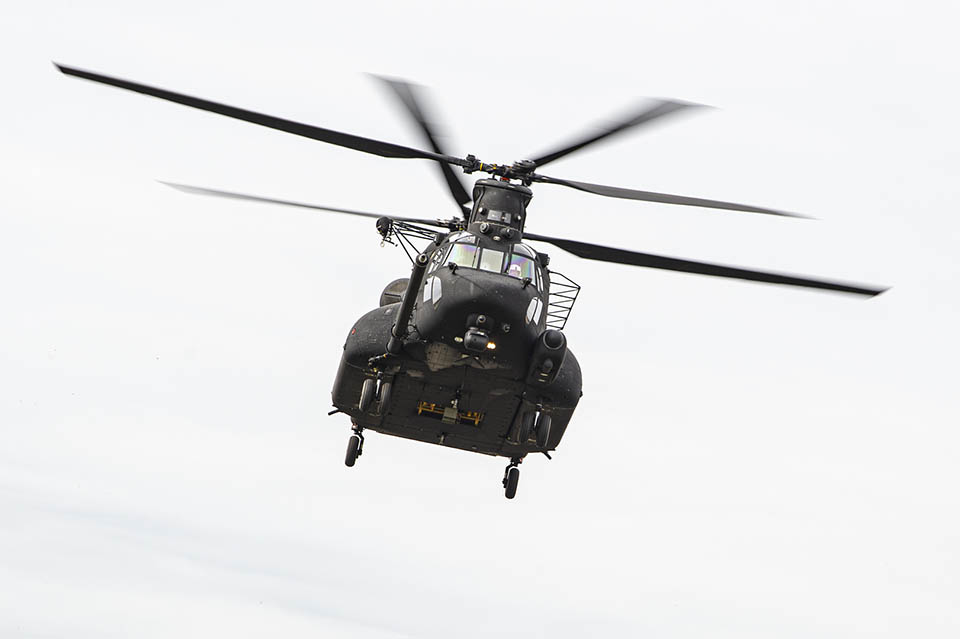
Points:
(355, 142)
(621, 256)
(198, 190)
(658, 109)
(666, 198)
(406, 93)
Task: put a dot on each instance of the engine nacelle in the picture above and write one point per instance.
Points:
(548, 354)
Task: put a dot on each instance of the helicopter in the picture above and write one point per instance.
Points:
(468, 351)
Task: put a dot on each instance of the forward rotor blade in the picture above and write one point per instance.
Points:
(658, 109)
(198, 190)
(666, 198)
(355, 142)
(621, 256)
(406, 93)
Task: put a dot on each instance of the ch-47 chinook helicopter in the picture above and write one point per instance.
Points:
(468, 351)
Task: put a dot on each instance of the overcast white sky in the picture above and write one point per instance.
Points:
(747, 460)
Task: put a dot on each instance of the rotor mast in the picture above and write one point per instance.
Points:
(499, 209)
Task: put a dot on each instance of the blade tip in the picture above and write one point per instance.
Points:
(863, 291)
(72, 71)
(183, 188)
(685, 104)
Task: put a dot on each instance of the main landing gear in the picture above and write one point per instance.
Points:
(375, 390)
(535, 423)
(354, 446)
(544, 421)
(511, 477)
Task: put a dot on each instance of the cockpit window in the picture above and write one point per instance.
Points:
(523, 249)
(521, 263)
(521, 267)
(491, 260)
(462, 236)
(437, 260)
(463, 254)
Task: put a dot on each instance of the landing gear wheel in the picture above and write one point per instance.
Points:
(367, 393)
(543, 430)
(385, 390)
(525, 429)
(353, 450)
(510, 482)
(511, 477)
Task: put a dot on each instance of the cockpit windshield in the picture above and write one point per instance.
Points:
(519, 263)
(463, 254)
(521, 267)
(491, 260)
(523, 249)
(522, 263)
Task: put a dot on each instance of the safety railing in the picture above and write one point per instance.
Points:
(563, 295)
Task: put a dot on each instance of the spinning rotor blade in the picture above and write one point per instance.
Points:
(621, 256)
(666, 198)
(390, 150)
(406, 92)
(198, 190)
(355, 142)
(659, 109)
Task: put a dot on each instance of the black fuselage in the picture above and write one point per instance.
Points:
(476, 357)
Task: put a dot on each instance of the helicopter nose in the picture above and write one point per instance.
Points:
(479, 312)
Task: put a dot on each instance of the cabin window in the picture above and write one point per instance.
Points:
(492, 261)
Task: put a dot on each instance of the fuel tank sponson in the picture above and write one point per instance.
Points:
(399, 330)
(393, 292)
